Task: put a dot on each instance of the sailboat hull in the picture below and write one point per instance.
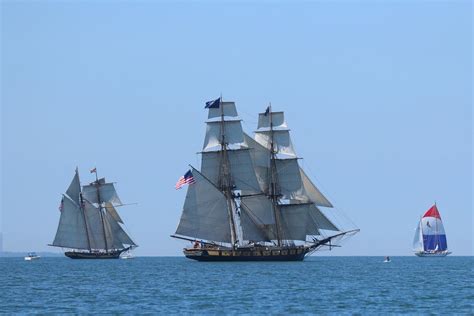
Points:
(291, 254)
(432, 254)
(94, 255)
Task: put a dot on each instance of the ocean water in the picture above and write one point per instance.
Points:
(175, 285)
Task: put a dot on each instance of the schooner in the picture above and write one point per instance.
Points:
(89, 223)
(251, 201)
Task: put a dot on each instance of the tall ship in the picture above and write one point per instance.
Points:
(430, 238)
(89, 224)
(250, 200)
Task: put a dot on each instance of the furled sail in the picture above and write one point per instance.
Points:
(71, 231)
(107, 193)
(205, 214)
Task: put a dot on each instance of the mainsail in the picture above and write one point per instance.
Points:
(251, 189)
(418, 239)
(72, 232)
(89, 219)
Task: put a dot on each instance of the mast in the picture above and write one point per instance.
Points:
(85, 221)
(81, 205)
(100, 210)
(274, 180)
(224, 177)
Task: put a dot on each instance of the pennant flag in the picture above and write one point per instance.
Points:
(267, 111)
(94, 170)
(214, 104)
(186, 179)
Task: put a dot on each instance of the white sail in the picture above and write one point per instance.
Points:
(107, 193)
(205, 213)
(260, 207)
(233, 135)
(250, 162)
(312, 192)
(277, 120)
(253, 230)
(95, 226)
(282, 143)
(319, 220)
(113, 212)
(418, 239)
(71, 231)
(241, 169)
(228, 110)
(295, 221)
(300, 220)
(289, 180)
(261, 161)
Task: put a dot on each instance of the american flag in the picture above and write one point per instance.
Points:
(186, 179)
(61, 205)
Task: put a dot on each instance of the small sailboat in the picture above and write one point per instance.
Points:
(89, 223)
(430, 238)
(127, 255)
(31, 256)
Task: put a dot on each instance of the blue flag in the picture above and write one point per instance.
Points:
(267, 111)
(214, 104)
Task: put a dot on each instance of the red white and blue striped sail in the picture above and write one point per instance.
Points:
(430, 235)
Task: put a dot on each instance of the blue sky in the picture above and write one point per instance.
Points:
(378, 96)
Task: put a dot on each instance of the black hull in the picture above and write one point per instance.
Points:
(291, 254)
(94, 255)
